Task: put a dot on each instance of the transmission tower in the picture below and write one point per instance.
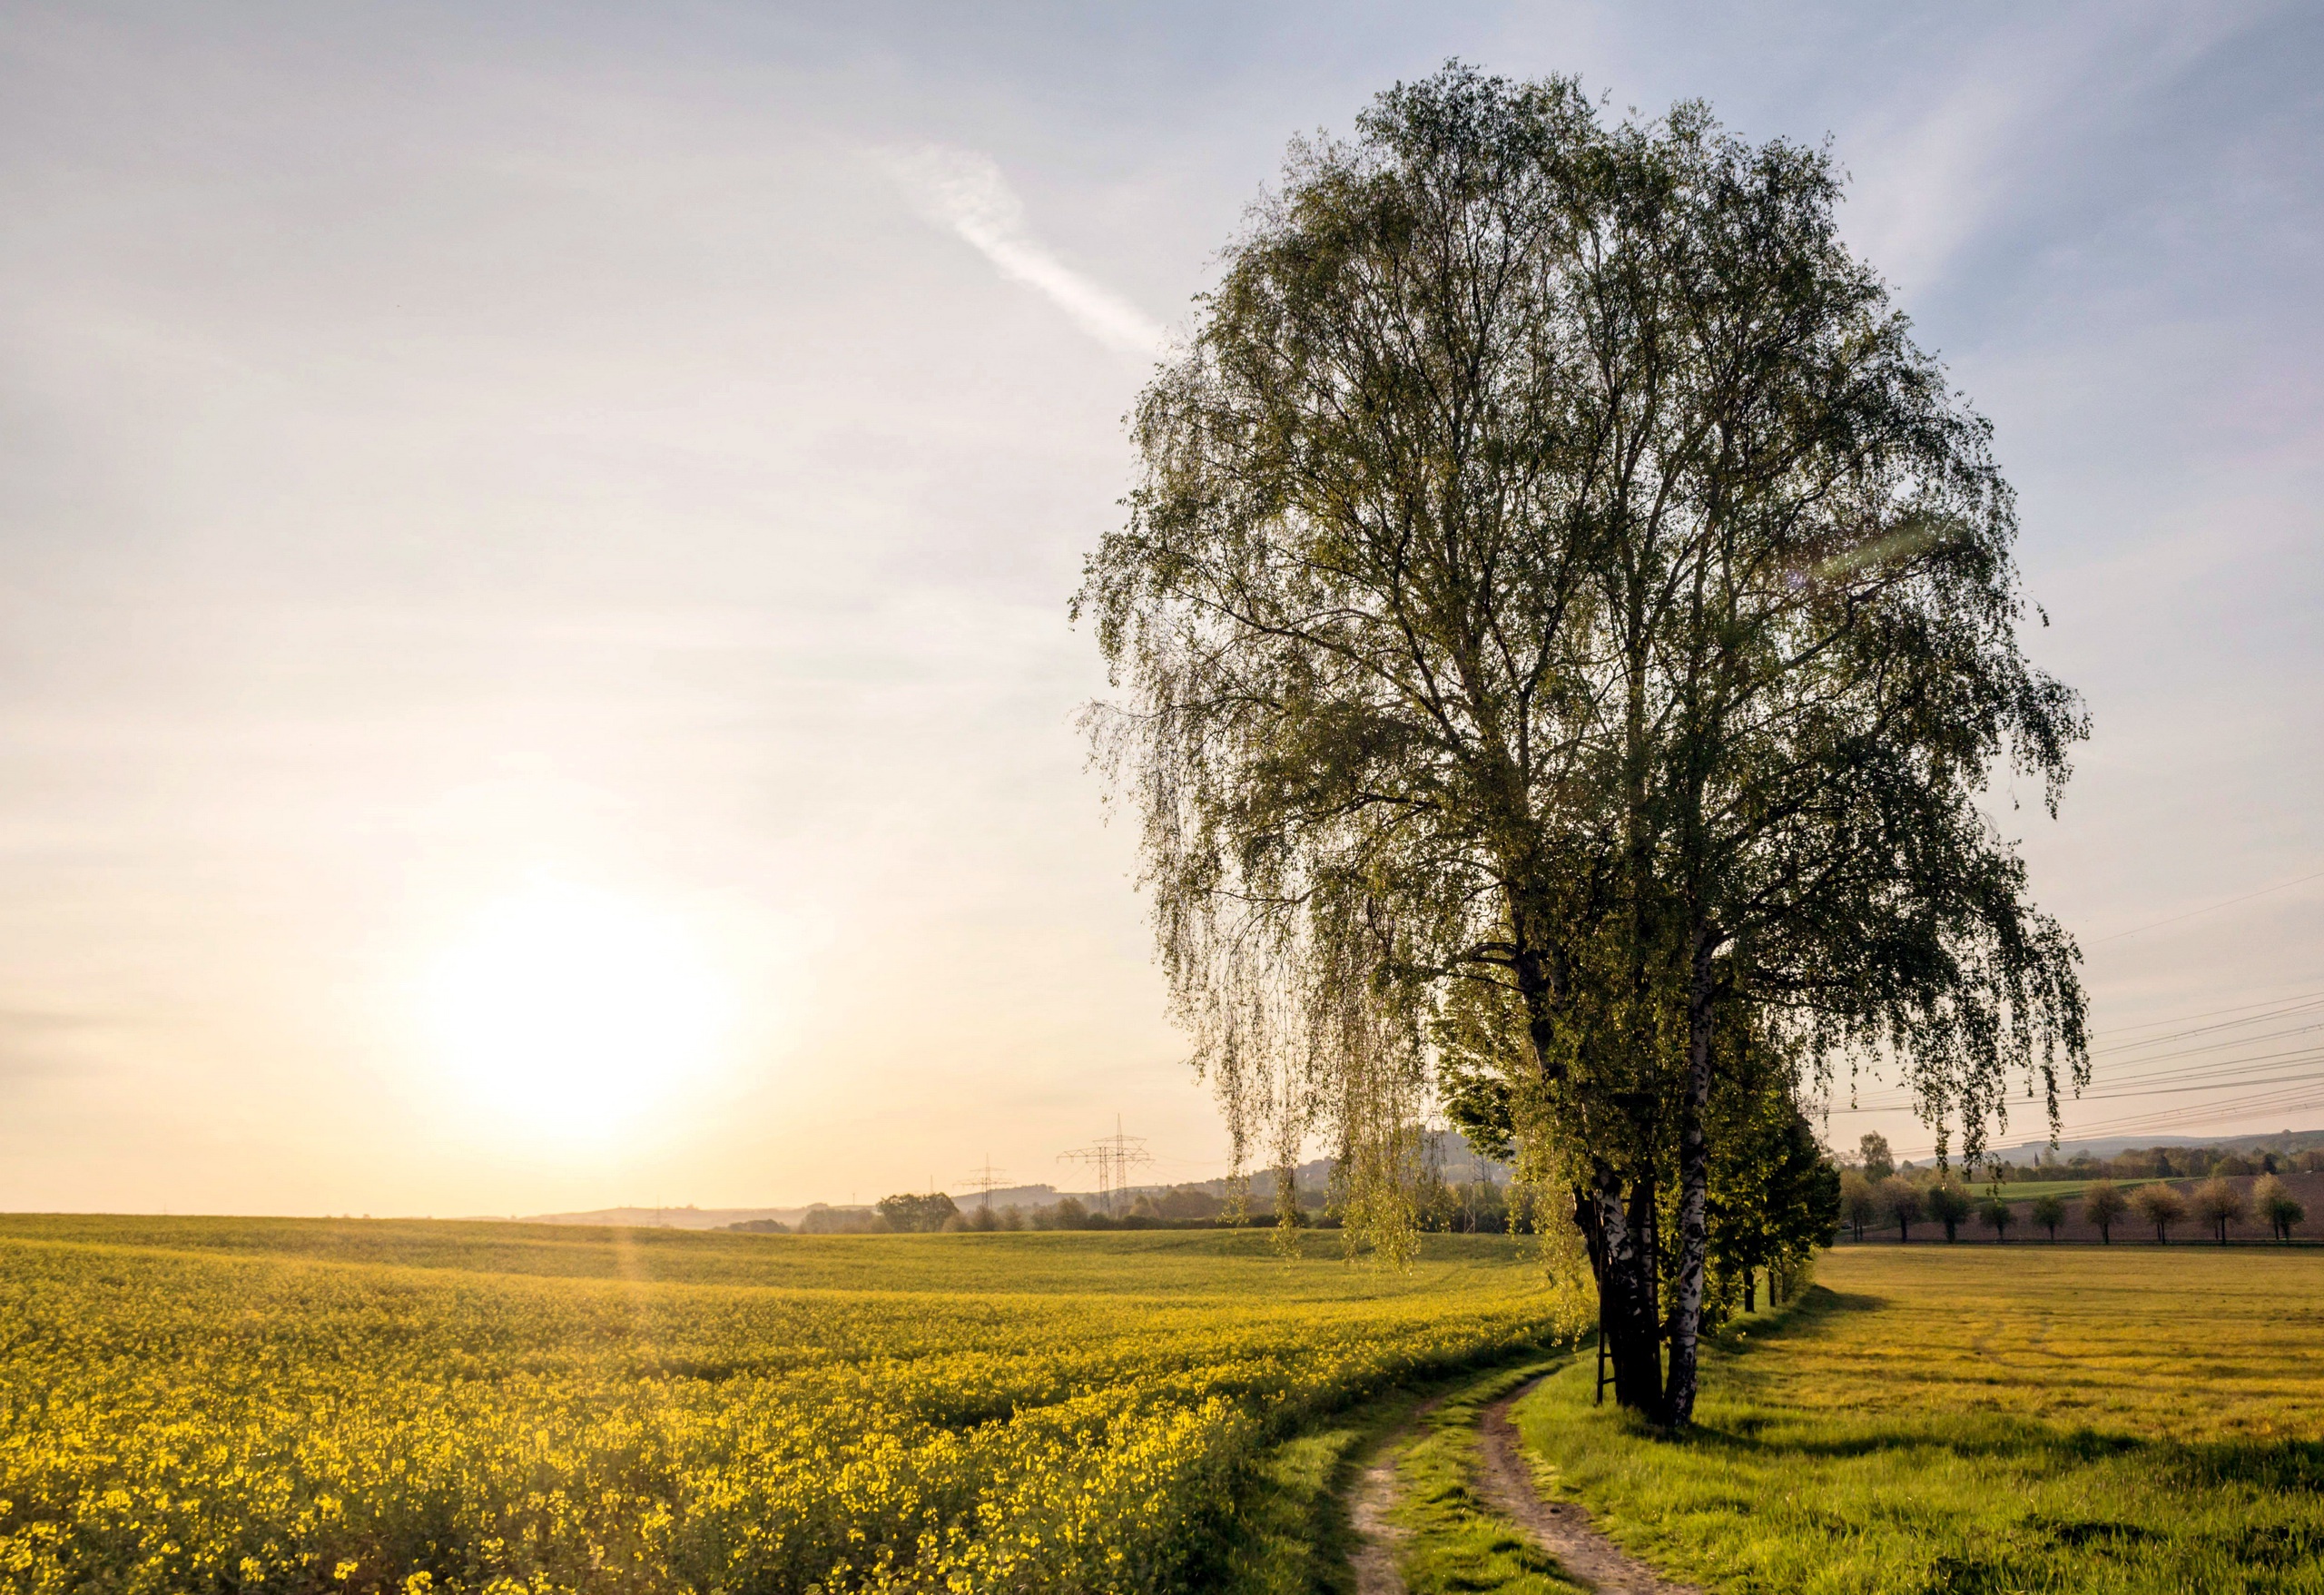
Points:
(986, 1180)
(1112, 1157)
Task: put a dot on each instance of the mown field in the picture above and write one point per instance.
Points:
(1942, 1419)
(214, 1406)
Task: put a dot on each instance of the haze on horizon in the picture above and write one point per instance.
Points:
(498, 498)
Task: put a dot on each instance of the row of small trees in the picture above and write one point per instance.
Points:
(2217, 1204)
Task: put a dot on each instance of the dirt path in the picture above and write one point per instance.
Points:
(1505, 1485)
(1560, 1528)
(1369, 1503)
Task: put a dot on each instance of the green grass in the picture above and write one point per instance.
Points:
(1184, 1265)
(2081, 1419)
(1294, 1536)
(2068, 1190)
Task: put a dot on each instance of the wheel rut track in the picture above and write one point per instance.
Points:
(1505, 1485)
(1369, 1504)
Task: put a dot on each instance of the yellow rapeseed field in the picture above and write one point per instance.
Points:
(214, 1406)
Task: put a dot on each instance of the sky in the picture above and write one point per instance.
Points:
(575, 506)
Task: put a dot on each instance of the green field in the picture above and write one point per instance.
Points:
(2065, 1190)
(1939, 1418)
(222, 1405)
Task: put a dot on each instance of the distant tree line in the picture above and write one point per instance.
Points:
(1875, 1197)
(1481, 1206)
(1876, 1161)
(2157, 1163)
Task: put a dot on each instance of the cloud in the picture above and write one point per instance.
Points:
(964, 191)
(1937, 167)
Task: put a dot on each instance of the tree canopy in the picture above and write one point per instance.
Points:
(1566, 626)
(917, 1214)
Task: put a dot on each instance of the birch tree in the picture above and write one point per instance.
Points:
(1565, 628)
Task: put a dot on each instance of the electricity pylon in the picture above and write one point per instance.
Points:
(1113, 1157)
(986, 1180)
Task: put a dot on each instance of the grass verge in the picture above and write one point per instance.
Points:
(1295, 1536)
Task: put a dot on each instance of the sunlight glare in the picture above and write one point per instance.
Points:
(571, 1011)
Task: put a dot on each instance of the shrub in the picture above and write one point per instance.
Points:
(2218, 1201)
(1065, 1213)
(2275, 1204)
(820, 1219)
(1859, 1202)
(2103, 1204)
(2160, 1205)
(1949, 1204)
(1996, 1215)
(2050, 1212)
(1790, 1275)
(1900, 1200)
(917, 1214)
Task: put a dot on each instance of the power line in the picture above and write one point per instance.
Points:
(2303, 1096)
(2268, 1102)
(2191, 913)
(2224, 1071)
(2207, 1077)
(2286, 1003)
(2273, 1013)
(2139, 1072)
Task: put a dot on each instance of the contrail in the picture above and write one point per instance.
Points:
(964, 191)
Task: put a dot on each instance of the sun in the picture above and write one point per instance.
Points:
(572, 1012)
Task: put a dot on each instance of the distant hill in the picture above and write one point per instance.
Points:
(2281, 1143)
(1456, 1159)
(1017, 1196)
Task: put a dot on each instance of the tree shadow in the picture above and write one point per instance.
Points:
(2076, 1527)
(2290, 1467)
(1969, 1435)
(2286, 1466)
(1808, 1312)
